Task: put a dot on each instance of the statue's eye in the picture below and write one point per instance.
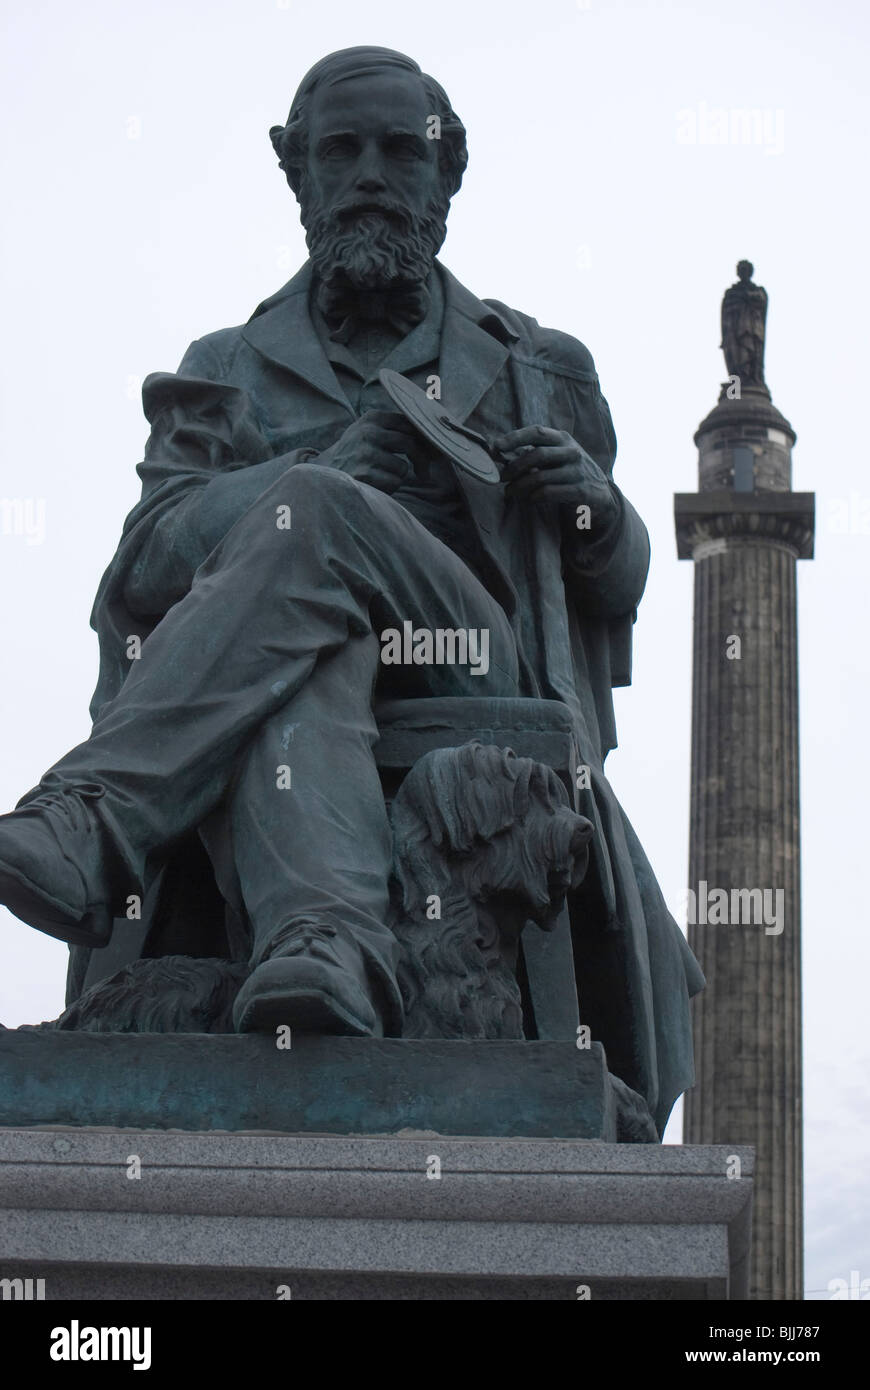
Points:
(341, 148)
(404, 147)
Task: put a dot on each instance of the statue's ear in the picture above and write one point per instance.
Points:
(278, 134)
(275, 134)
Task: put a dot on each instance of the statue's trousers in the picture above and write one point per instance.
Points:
(252, 702)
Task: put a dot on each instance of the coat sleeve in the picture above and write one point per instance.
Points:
(206, 463)
(604, 574)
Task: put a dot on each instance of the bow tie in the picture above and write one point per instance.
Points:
(346, 309)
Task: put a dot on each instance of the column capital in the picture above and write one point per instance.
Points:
(707, 522)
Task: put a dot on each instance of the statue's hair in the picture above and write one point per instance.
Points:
(290, 141)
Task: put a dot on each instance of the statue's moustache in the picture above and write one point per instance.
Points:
(396, 212)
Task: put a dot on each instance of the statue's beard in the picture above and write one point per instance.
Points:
(373, 250)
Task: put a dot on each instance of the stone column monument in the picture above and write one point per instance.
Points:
(745, 530)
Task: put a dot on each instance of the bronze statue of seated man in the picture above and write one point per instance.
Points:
(289, 516)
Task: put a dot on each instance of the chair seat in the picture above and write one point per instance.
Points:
(539, 729)
(473, 712)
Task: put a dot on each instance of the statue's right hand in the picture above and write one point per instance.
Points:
(381, 448)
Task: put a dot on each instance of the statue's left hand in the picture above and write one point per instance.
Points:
(550, 466)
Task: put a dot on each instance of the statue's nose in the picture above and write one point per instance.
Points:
(370, 176)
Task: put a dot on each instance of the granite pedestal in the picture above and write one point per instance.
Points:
(244, 1216)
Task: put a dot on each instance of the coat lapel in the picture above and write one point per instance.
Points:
(474, 342)
(474, 347)
(281, 330)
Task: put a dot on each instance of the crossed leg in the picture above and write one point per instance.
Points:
(268, 663)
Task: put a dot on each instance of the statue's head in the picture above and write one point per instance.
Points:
(374, 153)
(745, 270)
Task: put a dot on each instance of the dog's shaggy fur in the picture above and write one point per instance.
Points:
(169, 994)
(491, 839)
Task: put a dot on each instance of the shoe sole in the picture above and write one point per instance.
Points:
(36, 908)
(307, 1010)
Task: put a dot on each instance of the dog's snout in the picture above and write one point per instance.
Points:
(581, 834)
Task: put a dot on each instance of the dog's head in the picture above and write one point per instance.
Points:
(502, 822)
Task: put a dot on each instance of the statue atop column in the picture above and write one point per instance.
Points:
(744, 312)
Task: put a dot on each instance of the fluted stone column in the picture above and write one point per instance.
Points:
(745, 530)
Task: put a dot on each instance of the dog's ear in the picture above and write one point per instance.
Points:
(453, 797)
(490, 789)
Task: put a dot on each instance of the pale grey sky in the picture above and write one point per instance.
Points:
(144, 207)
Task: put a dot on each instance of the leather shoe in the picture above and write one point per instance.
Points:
(314, 980)
(51, 868)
